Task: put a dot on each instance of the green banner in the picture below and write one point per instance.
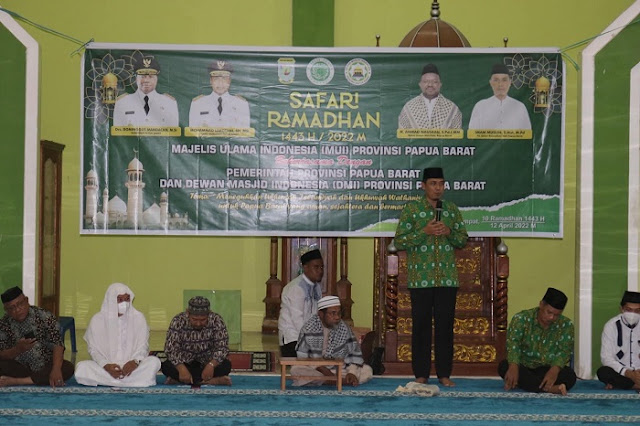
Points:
(318, 142)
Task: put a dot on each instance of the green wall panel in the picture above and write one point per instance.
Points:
(611, 172)
(12, 104)
(313, 23)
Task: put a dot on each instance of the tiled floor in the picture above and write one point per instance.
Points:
(252, 341)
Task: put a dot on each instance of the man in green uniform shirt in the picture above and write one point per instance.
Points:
(539, 346)
(429, 230)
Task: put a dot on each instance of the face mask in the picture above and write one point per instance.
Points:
(122, 307)
(631, 318)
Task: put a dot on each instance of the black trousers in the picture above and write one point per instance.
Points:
(609, 376)
(12, 368)
(438, 303)
(529, 379)
(289, 349)
(195, 368)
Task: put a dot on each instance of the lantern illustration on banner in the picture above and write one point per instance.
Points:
(109, 89)
(542, 87)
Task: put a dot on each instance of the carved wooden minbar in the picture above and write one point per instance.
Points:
(481, 307)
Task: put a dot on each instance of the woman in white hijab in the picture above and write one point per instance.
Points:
(118, 342)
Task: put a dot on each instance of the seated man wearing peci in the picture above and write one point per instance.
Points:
(539, 347)
(197, 347)
(620, 350)
(31, 348)
(118, 342)
(326, 335)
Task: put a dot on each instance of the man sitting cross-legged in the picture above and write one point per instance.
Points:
(620, 348)
(539, 346)
(326, 335)
(118, 342)
(197, 347)
(31, 348)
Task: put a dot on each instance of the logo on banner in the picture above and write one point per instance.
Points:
(320, 71)
(357, 71)
(286, 70)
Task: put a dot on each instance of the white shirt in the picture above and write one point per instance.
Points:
(129, 110)
(493, 113)
(620, 357)
(204, 111)
(292, 313)
(430, 104)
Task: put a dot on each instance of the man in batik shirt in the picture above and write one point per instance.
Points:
(539, 347)
(31, 349)
(429, 230)
(197, 347)
(430, 110)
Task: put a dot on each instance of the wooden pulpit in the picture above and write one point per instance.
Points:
(481, 307)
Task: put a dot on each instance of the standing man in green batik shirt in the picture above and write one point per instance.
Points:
(429, 230)
(539, 346)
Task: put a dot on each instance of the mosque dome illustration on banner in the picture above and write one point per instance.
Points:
(434, 33)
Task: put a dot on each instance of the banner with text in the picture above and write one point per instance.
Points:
(317, 142)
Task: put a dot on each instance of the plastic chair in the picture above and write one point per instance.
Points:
(68, 323)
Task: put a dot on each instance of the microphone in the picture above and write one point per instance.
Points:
(438, 210)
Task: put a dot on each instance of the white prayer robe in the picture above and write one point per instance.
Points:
(117, 340)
